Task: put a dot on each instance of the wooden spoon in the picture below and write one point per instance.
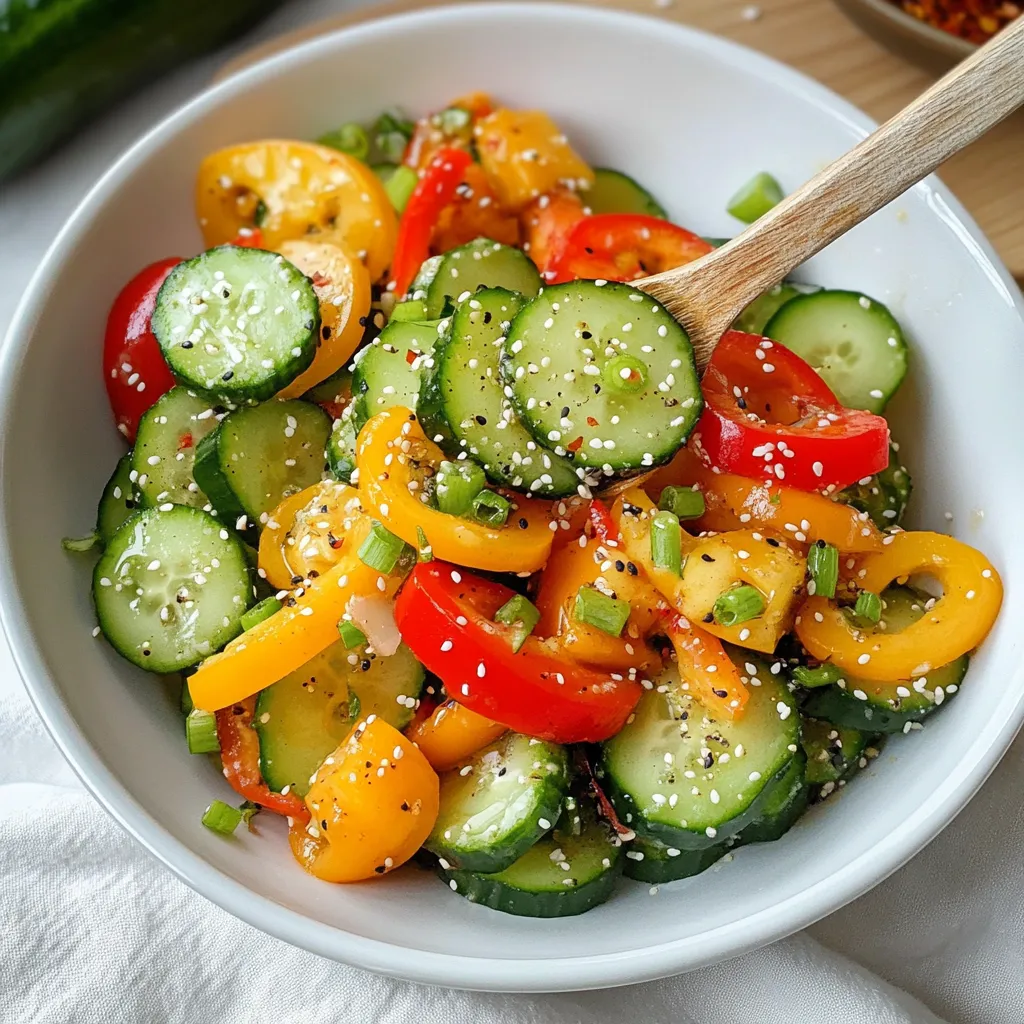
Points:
(707, 295)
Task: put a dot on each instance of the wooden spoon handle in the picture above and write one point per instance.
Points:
(706, 296)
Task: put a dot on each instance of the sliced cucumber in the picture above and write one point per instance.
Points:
(259, 456)
(387, 371)
(678, 775)
(478, 264)
(335, 391)
(237, 323)
(890, 706)
(785, 800)
(493, 813)
(755, 317)
(561, 876)
(603, 371)
(885, 496)
(833, 753)
(853, 341)
(304, 716)
(120, 500)
(171, 587)
(649, 861)
(341, 446)
(615, 192)
(165, 448)
(462, 401)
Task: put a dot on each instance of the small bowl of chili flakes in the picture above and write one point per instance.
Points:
(932, 33)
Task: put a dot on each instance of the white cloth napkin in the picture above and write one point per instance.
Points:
(93, 931)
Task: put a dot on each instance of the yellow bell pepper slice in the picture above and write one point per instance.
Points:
(394, 457)
(342, 286)
(712, 566)
(451, 733)
(306, 190)
(734, 502)
(972, 594)
(524, 155)
(372, 804)
(306, 533)
(289, 638)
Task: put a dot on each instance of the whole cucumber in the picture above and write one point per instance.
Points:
(63, 61)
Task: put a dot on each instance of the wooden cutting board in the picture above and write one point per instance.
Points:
(814, 37)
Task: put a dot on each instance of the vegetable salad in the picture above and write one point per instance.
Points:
(459, 557)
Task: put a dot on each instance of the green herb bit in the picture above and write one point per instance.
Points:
(259, 213)
(601, 611)
(260, 612)
(382, 549)
(458, 483)
(79, 545)
(823, 565)
(201, 732)
(248, 810)
(868, 607)
(491, 508)
(740, 604)
(682, 502)
(756, 198)
(351, 634)
(400, 187)
(350, 138)
(424, 552)
(519, 613)
(667, 542)
(824, 675)
(222, 818)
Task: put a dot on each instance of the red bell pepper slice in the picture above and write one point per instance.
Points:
(767, 414)
(249, 238)
(625, 247)
(240, 754)
(434, 191)
(445, 615)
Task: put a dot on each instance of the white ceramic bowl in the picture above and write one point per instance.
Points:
(692, 117)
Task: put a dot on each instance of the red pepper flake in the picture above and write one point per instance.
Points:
(185, 441)
(591, 422)
(410, 356)
(974, 20)
(575, 446)
(601, 520)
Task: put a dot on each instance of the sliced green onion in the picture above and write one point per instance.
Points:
(601, 611)
(868, 607)
(201, 732)
(394, 121)
(458, 483)
(740, 604)
(756, 198)
(259, 214)
(453, 120)
(260, 612)
(682, 502)
(382, 549)
(424, 552)
(222, 818)
(391, 145)
(248, 810)
(186, 698)
(625, 374)
(413, 309)
(351, 634)
(400, 186)
(824, 675)
(350, 138)
(667, 542)
(491, 508)
(823, 565)
(391, 133)
(81, 544)
(521, 614)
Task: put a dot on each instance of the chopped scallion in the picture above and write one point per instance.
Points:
(601, 611)
(222, 818)
(424, 552)
(868, 607)
(452, 120)
(823, 565)
(491, 508)
(382, 549)
(400, 186)
(756, 198)
(259, 612)
(519, 613)
(350, 138)
(201, 732)
(682, 502)
(351, 634)
(667, 542)
(81, 544)
(824, 675)
(740, 604)
(458, 483)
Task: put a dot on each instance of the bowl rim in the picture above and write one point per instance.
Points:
(570, 973)
(925, 32)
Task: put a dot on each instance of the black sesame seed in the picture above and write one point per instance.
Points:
(707, 558)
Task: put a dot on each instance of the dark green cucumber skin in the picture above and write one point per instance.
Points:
(842, 754)
(616, 192)
(64, 61)
(887, 492)
(657, 867)
(114, 510)
(341, 447)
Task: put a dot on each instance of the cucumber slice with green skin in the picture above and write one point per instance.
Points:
(303, 717)
(888, 707)
(884, 496)
(833, 753)
(119, 502)
(462, 402)
(341, 446)
(493, 813)
(257, 457)
(784, 802)
(478, 264)
(237, 323)
(171, 587)
(335, 390)
(647, 860)
(678, 775)
(587, 353)
(755, 317)
(387, 372)
(615, 192)
(561, 876)
(165, 448)
(853, 341)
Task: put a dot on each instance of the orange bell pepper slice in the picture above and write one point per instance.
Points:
(474, 212)
(734, 502)
(373, 803)
(547, 222)
(394, 456)
(972, 595)
(288, 639)
(705, 670)
(451, 733)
